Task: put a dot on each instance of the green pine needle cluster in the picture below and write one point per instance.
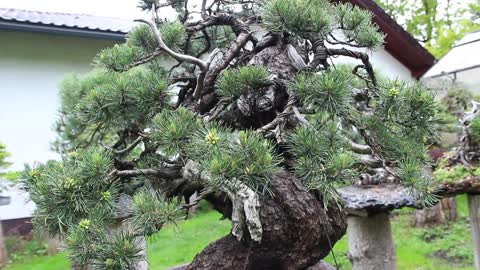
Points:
(173, 34)
(89, 244)
(407, 110)
(140, 44)
(172, 130)
(131, 98)
(319, 18)
(329, 91)
(235, 82)
(78, 200)
(411, 174)
(122, 250)
(150, 211)
(141, 37)
(106, 102)
(242, 156)
(356, 24)
(228, 156)
(70, 190)
(302, 17)
(118, 57)
(4, 154)
(324, 159)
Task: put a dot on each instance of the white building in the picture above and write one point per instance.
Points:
(460, 66)
(38, 48)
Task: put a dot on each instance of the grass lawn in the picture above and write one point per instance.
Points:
(417, 249)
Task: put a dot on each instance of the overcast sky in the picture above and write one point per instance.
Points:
(109, 8)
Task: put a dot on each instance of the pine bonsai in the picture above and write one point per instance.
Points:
(252, 115)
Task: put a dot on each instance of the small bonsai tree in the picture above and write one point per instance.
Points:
(253, 115)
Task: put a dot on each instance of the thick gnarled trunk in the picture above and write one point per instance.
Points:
(297, 233)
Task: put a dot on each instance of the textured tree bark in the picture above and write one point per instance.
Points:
(370, 242)
(297, 233)
(439, 214)
(474, 211)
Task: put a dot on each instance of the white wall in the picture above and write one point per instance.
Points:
(20, 206)
(31, 67)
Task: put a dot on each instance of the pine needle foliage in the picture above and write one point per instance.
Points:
(173, 34)
(301, 17)
(93, 246)
(409, 108)
(323, 159)
(329, 91)
(172, 131)
(241, 156)
(118, 57)
(132, 98)
(68, 191)
(307, 18)
(4, 154)
(357, 26)
(108, 101)
(235, 82)
(141, 37)
(150, 211)
(121, 251)
(140, 44)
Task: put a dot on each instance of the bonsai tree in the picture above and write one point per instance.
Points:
(458, 172)
(239, 101)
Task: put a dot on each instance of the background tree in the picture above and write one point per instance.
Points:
(253, 116)
(438, 24)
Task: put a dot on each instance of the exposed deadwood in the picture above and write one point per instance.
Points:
(177, 56)
(361, 148)
(169, 173)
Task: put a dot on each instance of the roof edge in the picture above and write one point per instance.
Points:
(10, 25)
(399, 43)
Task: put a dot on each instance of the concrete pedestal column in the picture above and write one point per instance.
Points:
(474, 212)
(370, 242)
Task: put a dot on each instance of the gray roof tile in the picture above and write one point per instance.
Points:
(80, 21)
